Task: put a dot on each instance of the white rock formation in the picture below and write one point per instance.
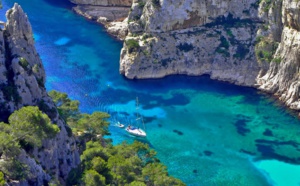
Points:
(22, 79)
(283, 76)
(212, 37)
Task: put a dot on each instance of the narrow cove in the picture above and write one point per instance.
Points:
(206, 132)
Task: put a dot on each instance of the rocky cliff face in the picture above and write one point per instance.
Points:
(214, 37)
(22, 79)
(250, 43)
(110, 13)
(283, 77)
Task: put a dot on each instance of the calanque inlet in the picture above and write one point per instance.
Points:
(246, 43)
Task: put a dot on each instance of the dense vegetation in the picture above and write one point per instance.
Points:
(101, 162)
(125, 164)
(26, 128)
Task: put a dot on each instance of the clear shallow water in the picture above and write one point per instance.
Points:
(206, 132)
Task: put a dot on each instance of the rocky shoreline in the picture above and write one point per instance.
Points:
(244, 43)
(112, 14)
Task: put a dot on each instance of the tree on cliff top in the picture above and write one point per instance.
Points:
(27, 126)
(66, 107)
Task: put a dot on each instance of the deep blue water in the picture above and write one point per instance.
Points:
(206, 132)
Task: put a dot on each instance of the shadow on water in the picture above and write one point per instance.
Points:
(61, 3)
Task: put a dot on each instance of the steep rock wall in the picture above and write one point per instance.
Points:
(22, 79)
(283, 77)
(212, 37)
(250, 43)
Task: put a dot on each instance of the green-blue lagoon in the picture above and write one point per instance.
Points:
(206, 132)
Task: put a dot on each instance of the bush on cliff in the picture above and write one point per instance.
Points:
(2, 181)
(26, 127)
(132, 45)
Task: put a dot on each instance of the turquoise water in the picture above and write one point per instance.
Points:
(206, 132)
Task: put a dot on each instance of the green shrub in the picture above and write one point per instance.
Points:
(258, 39)
(267, 6)
(265, 49)
(132, 45)
(23, 62)
(2, 181)
(277, 60)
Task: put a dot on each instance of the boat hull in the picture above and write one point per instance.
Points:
(136, 132)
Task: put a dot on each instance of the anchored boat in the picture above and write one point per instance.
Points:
(136, 130)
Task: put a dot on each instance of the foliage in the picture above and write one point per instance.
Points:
(65, 106)
(94, 124)
(265, 49)
(28, 124)
(132, 45)
(14, 169)
(2, 181)
(24, 63)
(267, 5)
(105, 164)
(124, 164)
(90, 124)
(74, 176)
(92, 178)
(31, 125)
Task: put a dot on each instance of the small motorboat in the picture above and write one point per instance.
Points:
(120, 125)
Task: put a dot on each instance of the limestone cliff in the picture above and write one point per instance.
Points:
(214, 37)
(110, 13)
(22, 79)
(250, 43)
(283, 77)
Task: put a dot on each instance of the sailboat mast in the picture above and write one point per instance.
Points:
(137, 111)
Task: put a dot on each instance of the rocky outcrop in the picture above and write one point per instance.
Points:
(22, 79)
(250, 43)
(110, 13)
(192, 37)
(283, 78)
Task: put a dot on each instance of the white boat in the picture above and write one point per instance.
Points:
(120, 125)
(136, 130)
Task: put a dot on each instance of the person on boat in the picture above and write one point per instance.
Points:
(129, 127)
